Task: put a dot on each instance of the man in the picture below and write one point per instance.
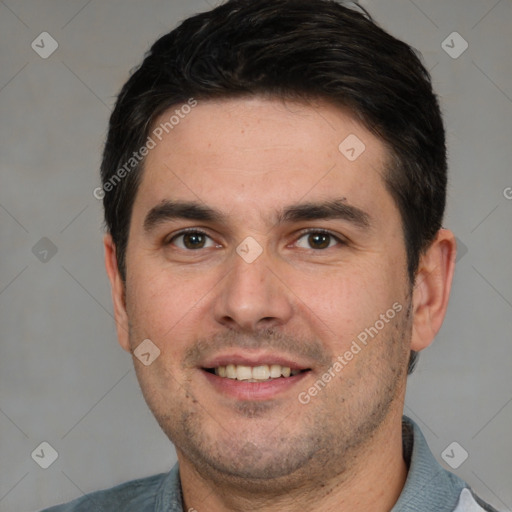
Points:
(274, 184)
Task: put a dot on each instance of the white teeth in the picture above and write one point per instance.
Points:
(275, 371)
(243, 372)
(261, 372)
(254, 373)
(231, 371)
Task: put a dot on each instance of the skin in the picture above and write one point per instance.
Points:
(249, 158)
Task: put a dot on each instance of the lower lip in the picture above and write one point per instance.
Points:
(243, 390)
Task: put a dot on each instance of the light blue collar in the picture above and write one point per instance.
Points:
(428, 485)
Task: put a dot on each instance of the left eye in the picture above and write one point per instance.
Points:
(318, 240)
(192, 240)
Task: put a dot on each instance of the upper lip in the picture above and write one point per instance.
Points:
(256, 359)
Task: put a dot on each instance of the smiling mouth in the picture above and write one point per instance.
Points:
(260, 373)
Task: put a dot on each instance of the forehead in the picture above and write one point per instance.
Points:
(253, 156)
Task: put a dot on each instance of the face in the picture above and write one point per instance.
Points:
(260, 249)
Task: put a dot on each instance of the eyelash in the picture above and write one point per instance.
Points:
(300, 235)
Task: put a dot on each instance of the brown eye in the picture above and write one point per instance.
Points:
(191, 240)
(318, 240)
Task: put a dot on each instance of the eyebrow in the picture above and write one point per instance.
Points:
(169, 210)
(332, 209)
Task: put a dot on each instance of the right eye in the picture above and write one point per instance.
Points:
(191, 240)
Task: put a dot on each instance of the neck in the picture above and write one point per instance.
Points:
(373, 482)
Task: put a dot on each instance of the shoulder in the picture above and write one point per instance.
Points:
(469, 502)
(429, 486)
(137, 495)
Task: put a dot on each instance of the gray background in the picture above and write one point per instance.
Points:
(64, 379)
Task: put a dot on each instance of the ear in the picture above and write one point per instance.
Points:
(432, 289)
(118, 292)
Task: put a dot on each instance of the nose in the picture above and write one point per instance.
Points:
(253, 296)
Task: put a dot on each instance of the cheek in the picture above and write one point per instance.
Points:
(346, 299)
(154, 305)
(334, 303)
(164, 305)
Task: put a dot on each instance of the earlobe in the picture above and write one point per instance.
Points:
(432, 289)
(118, 292)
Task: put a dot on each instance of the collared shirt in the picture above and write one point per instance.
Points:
(428, 488)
